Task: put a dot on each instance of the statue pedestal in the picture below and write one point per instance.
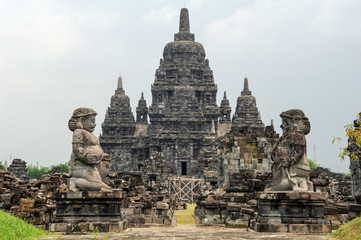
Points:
(88, 211)
(294, 212)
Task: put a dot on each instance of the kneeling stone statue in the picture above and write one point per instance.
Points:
(88, 165)
(291, 169)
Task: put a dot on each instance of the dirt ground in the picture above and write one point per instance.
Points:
(187, 232)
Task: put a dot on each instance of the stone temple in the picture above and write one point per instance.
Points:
(182, 137)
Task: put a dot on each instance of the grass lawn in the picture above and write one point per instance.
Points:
(349, 231)
(185, 216)
(15, 228)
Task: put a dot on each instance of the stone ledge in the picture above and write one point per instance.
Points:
(314, 196)
(88, 227)
(293, 228)
(91, 195)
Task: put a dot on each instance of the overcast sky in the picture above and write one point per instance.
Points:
(56, 56)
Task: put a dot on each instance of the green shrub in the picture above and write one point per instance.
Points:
(312, 164)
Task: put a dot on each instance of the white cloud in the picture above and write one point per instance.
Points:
(167, 13)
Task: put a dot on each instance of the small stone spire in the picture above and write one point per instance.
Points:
(225, 110)
(184, 30)
(142, 110)
(120, 83)
(184, 20)
(120, 89)
(246, 91)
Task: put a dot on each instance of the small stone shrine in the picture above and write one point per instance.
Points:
(289, 203)
(19, 169)
(90, 203)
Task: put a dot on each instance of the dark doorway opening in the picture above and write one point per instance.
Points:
(184, 168)
(140, 167)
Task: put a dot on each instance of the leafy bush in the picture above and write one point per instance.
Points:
(354, 133)
(312, 164)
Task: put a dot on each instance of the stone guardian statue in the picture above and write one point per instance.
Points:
(88, 165)
(290, 168)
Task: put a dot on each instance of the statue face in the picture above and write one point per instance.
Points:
(89, 123)
(286, 125)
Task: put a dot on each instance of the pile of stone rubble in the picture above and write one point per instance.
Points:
(34, 201)
(30, 200)
(144, 206)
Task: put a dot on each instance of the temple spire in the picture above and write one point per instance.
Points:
(142, 96)
(184, 30)
(225, 95)
(246, 90)
(184, 20)
(120, 83)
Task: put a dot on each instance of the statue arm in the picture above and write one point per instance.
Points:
(298, 146)
(296, 154)
(78, 149)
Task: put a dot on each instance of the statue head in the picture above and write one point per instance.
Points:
(83, 118)
(295, 120)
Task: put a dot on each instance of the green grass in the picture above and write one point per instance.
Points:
(185, 216)
(15, 228)
(349, 231)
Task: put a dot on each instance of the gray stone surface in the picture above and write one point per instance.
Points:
(295, 212)
(85, 211)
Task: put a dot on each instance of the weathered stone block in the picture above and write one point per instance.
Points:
(234, 206)
(162, 205)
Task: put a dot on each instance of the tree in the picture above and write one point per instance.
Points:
(353, 132)
(35, 172)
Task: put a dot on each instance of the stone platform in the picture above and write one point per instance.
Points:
(88, 211)
(294, 212)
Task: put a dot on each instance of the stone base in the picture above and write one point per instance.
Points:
(297, 212)
(88, 227)
(292, 228)
(89, 211)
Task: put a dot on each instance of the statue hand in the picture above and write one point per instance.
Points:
(285, 162)
(91, 159)
(106, 157)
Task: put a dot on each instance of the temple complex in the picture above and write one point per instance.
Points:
(185, 123)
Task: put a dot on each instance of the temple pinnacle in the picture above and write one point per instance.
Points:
(142, 96)
(245, 85)
(120, 83)
(246, 91)
(225, 95)
(184, 20)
